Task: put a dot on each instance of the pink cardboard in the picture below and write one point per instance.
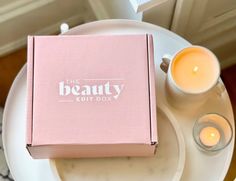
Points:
(91, 96)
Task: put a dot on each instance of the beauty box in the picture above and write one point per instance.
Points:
(91, 96)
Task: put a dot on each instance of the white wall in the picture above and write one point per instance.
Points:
(113, 9)
(20, 18)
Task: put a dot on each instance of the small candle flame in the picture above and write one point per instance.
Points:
(212, 135)
(195, 69)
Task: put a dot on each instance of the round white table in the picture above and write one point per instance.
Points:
(177, 156)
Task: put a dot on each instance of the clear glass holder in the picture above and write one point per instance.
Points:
(212, 132)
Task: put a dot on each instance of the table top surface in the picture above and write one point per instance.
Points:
(194, 164)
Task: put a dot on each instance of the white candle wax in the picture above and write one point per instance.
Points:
(209, 136)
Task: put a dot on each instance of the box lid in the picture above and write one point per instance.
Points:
(91, 90)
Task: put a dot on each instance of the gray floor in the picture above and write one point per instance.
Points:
(4, 171)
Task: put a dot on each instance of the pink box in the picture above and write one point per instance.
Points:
(91, 96)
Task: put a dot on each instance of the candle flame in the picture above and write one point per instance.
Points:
(212, 135)
(195, 69)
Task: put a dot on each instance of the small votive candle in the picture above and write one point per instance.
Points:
(209, 136)
(212, 132)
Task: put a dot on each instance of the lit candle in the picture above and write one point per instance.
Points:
(209, 136)
(195, 70)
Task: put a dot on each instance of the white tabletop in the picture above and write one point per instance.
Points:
(197, 165)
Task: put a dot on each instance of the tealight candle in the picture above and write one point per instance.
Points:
(212, 132)
(209, 136)
(195, 70)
